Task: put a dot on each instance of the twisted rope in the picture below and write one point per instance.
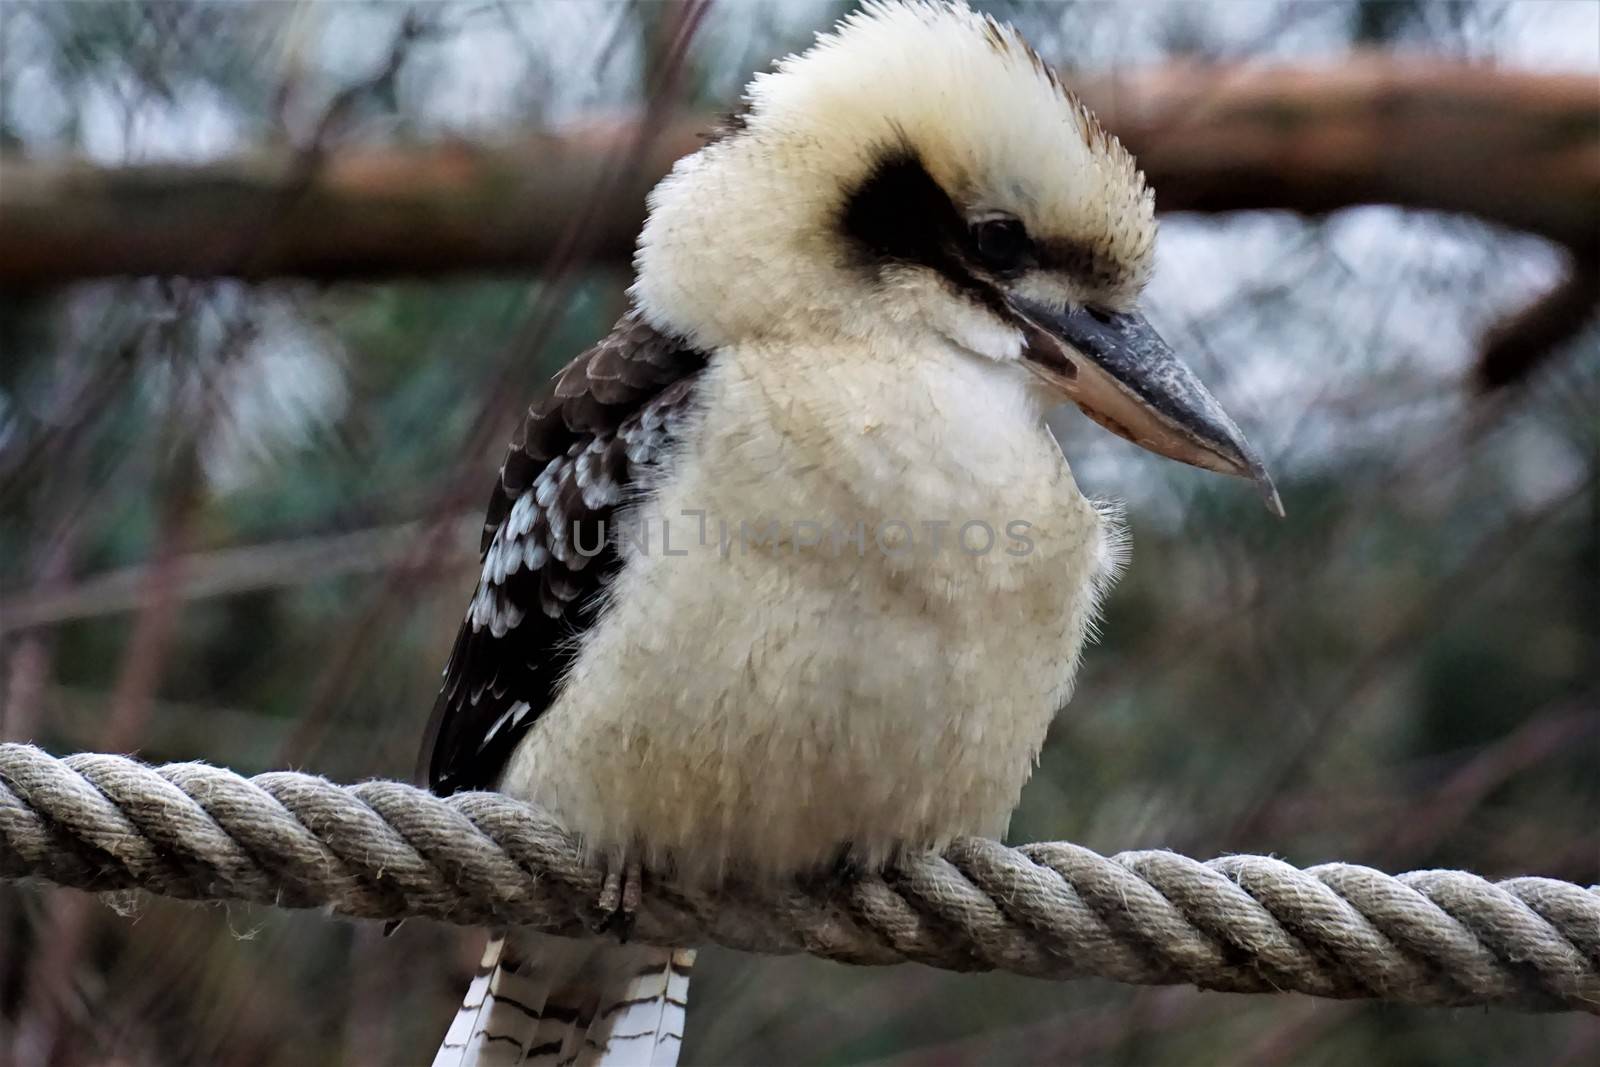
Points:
(384, 850)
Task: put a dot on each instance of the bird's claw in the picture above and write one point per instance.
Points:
(621, 892)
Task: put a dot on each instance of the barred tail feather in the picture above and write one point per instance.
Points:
(550, 1002)
(642, 1026)
(496, 1017)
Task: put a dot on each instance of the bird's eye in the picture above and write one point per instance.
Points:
(1001, 242)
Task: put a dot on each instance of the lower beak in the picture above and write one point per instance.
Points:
(1120, 372)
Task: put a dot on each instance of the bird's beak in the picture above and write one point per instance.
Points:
(1120, 372)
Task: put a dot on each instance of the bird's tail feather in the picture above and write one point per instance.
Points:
(496, 1017)
(550, 1002)
(639, 1015)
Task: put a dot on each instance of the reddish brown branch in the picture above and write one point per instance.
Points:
(365, 213)
(1511, 147)
(1518, 149)
(1522, 340)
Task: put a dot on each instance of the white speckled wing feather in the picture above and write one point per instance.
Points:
(608, 417)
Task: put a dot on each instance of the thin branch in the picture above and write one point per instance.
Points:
(226, 572)
(1521, 341)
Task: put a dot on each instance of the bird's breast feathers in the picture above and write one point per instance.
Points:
(848, 608)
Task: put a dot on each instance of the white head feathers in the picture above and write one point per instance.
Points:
(752, 236)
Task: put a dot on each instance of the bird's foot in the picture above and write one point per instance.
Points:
(621, 892)
(841, 872)
(847, 866)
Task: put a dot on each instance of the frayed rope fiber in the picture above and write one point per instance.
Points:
(385, 850)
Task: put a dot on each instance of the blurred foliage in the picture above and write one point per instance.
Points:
(1404, 673)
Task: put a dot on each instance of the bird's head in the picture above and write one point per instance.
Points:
(921, 169)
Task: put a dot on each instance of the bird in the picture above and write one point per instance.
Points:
(787, 573)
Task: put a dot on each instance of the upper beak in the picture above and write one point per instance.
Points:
(1124, 376)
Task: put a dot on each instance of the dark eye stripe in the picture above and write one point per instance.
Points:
(901, 215)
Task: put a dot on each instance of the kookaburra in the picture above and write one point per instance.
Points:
(787, 570)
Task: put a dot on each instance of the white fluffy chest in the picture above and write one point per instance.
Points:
(845, 620)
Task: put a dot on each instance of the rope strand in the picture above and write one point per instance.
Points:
(385, 850)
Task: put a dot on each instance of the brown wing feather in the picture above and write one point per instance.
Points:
(606, 417)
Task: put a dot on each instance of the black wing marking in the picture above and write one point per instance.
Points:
(607, 417)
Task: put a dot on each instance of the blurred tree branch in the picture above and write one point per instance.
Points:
(1517, 149)
(1521, 341)
(228, 572)
(365, 212)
